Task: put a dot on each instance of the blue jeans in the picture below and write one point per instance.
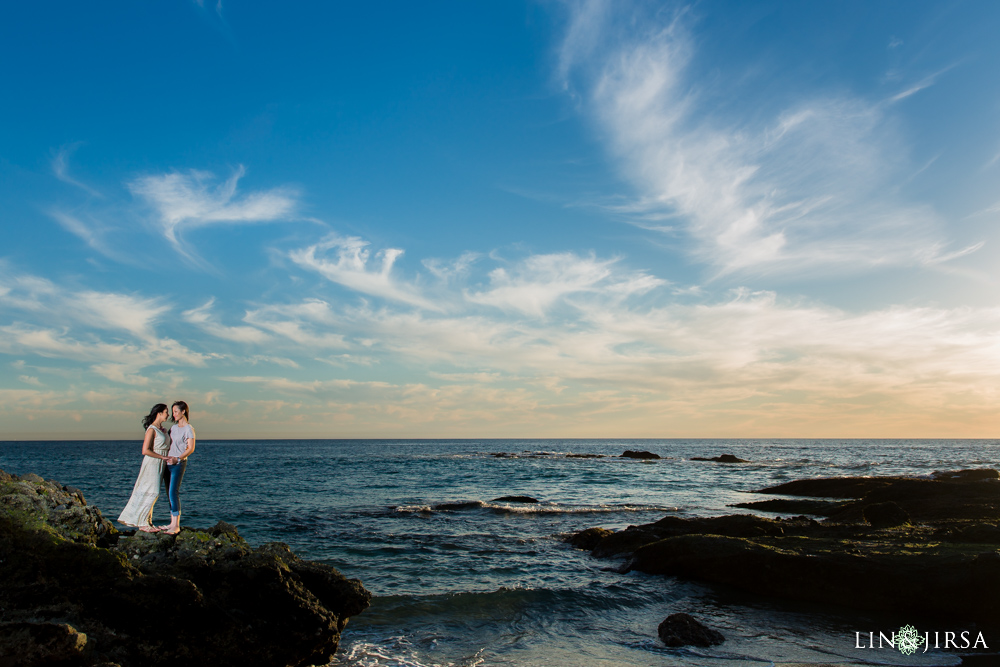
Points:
(174, 476)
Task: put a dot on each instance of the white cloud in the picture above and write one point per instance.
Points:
(305, 324)
(808, 190)
(454, 269)
(60, 167)
(203, 318)
(117, 361)
(536, 284)
(351, 269)
(84, 326)
(102, 310)
(188, 200)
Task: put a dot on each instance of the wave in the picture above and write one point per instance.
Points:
(528, 509)
(391, 652)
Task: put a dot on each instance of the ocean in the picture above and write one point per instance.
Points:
(462, 580)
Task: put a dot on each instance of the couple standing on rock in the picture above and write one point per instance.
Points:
(164, 458)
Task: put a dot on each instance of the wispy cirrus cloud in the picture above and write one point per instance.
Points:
(55, 304)
(203, 317)
(311, 324)
(608, 345)
(92, 232)
(748, 362)
(184, 201)
(535, 284)
(810, 189)
(84, 325)
(348, 261)
(60, 167)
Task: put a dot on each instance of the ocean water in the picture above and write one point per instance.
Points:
(463, 580)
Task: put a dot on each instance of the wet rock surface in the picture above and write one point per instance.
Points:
(885, 515)
(76, 591)
(684, 630)
(889, 533)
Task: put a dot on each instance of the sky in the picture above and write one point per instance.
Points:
(501, 219)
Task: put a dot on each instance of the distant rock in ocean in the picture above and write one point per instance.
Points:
(514, 499)
(630, 454)
(725, 458)
(76, 591)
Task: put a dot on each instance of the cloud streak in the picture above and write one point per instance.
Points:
(185, 201)
(348, 261)
(808, 190)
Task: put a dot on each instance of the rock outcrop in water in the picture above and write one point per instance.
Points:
(75, 591)
(684, 630)
(632, 454)
(921, 545)
(725, 458)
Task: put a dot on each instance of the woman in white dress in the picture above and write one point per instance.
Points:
(138, 513)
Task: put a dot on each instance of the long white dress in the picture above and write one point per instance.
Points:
(139, 510)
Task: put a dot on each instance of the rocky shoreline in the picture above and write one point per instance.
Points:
(886, 543)
(78, 592)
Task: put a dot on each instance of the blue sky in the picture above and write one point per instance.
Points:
(542, 219)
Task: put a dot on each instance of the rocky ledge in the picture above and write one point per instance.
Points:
(886, 543)
(75, 591)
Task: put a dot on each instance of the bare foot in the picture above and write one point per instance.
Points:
(171, 532)
(161, 528)
(150, 529)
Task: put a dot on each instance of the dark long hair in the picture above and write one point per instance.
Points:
(151, 417)
(184, 408)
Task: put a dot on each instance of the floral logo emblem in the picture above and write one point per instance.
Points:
(908, 640)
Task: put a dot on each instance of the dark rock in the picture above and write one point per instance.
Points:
(629, 454)
(970, 475)
(735, 525)
(972, 532)
(830, 487)
(885, 515)
(725, 458)
(588, 539)
(28, 644)
(585, 456)
(514, 499)
(215, 600)
(817, 507)
(842, 560)
(683, 630)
